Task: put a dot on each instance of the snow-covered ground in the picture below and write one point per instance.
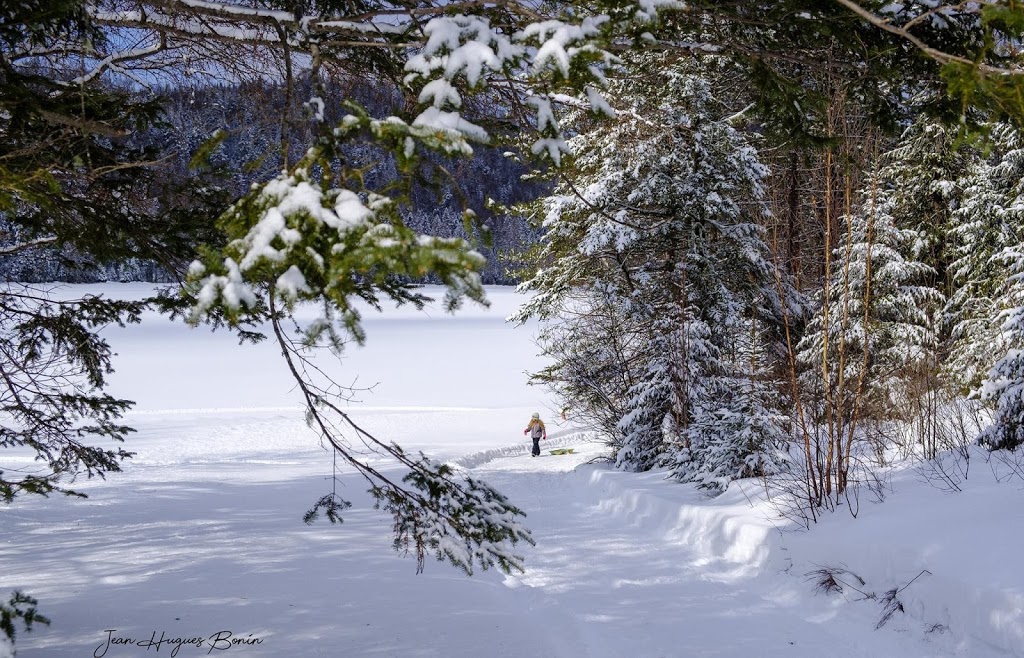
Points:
(201, 536)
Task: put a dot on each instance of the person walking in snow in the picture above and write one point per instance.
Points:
(537, 432)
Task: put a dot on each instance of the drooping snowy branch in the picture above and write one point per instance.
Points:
(446, 49)
(434, 508)
(7, 250)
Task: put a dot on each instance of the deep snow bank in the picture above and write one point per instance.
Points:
(953, 559)
(727, 535)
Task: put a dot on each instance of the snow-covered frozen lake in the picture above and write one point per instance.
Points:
(202, 535)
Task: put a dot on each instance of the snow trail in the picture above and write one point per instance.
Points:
(617, 574)
(625, 565)
(559, 439)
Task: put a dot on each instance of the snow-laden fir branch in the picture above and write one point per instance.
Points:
(435, 509)
(22, 246)
(930, 14)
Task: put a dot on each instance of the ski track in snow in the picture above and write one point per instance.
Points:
(562, 439)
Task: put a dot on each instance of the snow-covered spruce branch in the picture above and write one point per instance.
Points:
(447, 50)
(398, 18)
(325, 240)
(18, 609)
(53, 368)
(938, 14)
(113, 60)
(397, 28)
(189, 28)
(434, 509)
(22, 246)
(932, 14)
(386, 19)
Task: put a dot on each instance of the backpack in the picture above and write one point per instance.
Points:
(536, 429)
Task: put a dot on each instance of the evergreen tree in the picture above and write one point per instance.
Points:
(985, 226)
(873, 333)
(988, 308)
(1004, 386)
(925, 173)
(924, 176)
(747, 434)
(873, 325)
(662, 217)
(70, 176)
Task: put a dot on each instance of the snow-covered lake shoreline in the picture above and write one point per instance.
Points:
(201, 537)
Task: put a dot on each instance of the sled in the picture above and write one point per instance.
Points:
(561, 451)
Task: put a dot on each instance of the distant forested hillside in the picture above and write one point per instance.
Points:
(250, 116)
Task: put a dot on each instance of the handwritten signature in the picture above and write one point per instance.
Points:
(219, 641)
